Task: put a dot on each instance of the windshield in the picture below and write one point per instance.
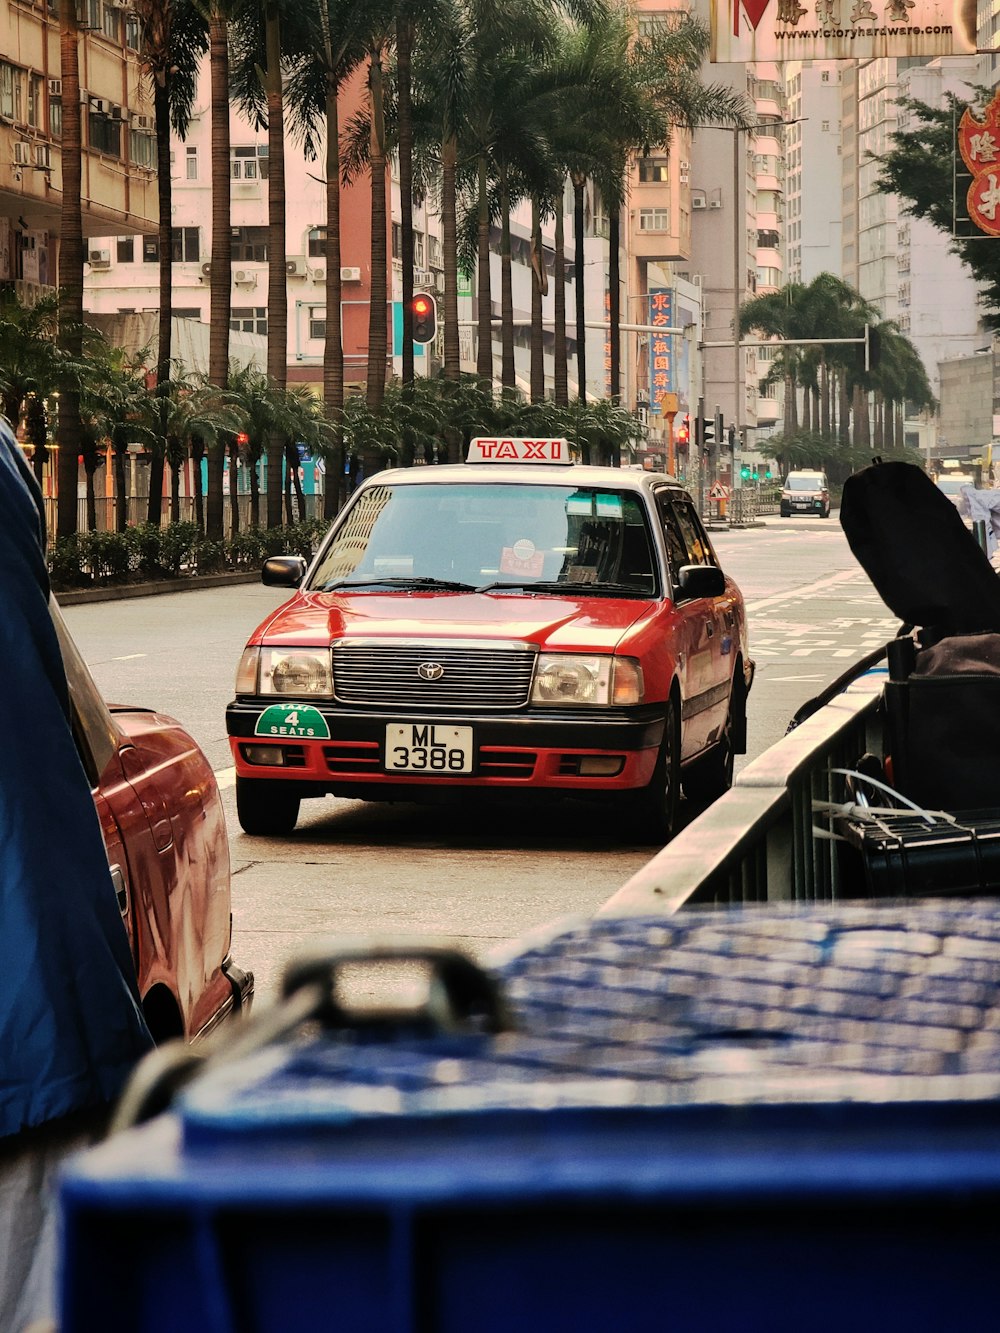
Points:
(473, 536)
(806, 483)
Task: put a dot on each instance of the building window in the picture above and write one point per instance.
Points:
(132, 32)
(142, 149)
(249, 245)
(55, 117)
(435, 252)
(316, 243)
(825, 76)
(112, 23)
(185, 245)
(95, 19)
(105, 134)
(11, 91)
(35, 101)
(150, 249)
(654, 219)
(125, 249)
(186, 312)
(653, 169)
(397, 240)
(418, 249)
(317, 322)
(768, 240)
(191, 162)
(249, 319)
(248, 164)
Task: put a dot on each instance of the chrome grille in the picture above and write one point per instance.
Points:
(474, 675)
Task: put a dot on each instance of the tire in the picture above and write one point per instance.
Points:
(266, 809)
(651, 818)
(711, 776)
(785, 513)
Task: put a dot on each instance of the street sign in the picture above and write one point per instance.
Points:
(718, 492)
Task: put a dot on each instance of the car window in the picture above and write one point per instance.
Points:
(94, 730)
(476, 534)
(805, 481)
(699, 550)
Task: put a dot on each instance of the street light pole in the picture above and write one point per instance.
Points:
(739, 389)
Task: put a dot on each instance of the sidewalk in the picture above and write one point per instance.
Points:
(114, 592)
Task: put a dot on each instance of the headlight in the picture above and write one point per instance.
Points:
(246, 672)
(564, 678)
(298, 672)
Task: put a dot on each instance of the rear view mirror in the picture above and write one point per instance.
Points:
(694, 581)
(283, 571)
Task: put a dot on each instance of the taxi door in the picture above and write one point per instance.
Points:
(707, 666)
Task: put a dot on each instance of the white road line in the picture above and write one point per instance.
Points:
(129, 657)
(842, 576)
(226, 777)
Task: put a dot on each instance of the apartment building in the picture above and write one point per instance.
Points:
(118, 182)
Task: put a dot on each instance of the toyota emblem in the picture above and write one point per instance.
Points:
(430, 670)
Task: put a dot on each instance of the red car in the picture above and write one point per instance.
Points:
(516, 623)
(164, 828)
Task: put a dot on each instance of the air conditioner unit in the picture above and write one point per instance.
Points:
(295, 266)
(245, 277)
(715, 203)
(141, 122)
(42, 156)
(422, 277)
(698, 201)
(99, 258)
(22, 153)
(318, 274)
(99, 107)
(206, 270)
(55, 87)
(116, 112)
(350, 275)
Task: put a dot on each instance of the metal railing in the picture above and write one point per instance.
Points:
(762, 840)
(136, 512)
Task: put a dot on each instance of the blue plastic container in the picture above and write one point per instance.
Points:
(653, 1147)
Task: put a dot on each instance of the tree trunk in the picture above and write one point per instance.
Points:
(175, 487)
(70, 270)
(508, 379)
(404, 46)
(377, 332)
(825, 405)
(560, 378)
(579, 270)
(277, 279)
(90, 467)
(121, 497)
(449, 236)
(615, 312)
(539, 285)
(165, 242)
(333, 350)
(221, 275)
(484, 303)
(254, 494)
(197, 454)
(234, 487)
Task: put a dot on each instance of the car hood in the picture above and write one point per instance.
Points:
(584, 624)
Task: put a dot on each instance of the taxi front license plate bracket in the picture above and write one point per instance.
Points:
(428, 747)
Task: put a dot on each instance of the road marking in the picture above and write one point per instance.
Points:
(129, 657)
(226, 777)
(775, 678)
(841, 576)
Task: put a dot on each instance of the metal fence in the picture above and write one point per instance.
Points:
(768, 838)
(137, 512)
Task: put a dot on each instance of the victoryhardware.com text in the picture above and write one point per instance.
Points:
(858, 32)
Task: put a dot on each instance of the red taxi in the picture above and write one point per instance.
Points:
(164, 829)
(515, 623)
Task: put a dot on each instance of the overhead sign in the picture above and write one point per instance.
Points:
(503, 449)
(979, 146)
(776, 30)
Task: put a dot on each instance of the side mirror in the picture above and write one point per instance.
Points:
(694, 581)
(283, 571)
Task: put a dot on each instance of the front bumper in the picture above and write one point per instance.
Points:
(509, 751)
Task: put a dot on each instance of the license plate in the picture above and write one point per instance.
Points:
(423, 747)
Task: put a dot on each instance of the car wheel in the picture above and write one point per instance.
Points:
(266, 809)
(711, 776)
(785, 513)
(652, 813)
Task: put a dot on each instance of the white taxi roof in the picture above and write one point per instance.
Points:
(523, 474)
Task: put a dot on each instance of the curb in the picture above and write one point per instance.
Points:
(115, 592)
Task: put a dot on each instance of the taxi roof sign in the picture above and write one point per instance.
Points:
(505, 449)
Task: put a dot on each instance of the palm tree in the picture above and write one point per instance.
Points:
(30, 367)
(196, 410)
(266, 42)
(173, 38)
(70, 268)
(116, 400)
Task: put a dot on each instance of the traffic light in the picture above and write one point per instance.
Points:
(682, 436)
(745, 471)
(423, 310)
(708, 435)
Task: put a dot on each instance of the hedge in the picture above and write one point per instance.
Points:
(175, 551)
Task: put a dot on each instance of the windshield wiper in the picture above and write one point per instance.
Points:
(422, 584)
(567, 585)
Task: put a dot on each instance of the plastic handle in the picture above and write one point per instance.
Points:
(460, 990)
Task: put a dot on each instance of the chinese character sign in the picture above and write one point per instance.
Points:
(979, 145)
(776, 30)
(662, 377)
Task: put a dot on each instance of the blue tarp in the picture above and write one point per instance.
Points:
(71, 1028)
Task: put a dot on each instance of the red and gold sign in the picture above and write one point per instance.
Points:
(979, 145)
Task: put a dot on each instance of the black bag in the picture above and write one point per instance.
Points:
(942, 699)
